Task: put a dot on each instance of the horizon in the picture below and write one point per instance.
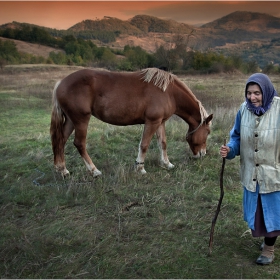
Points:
(64, 14)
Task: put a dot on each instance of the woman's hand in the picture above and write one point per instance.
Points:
(224, 150)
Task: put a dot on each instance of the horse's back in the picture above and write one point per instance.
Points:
(120, 98)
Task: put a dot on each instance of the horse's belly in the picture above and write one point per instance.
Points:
(119, 119)
(123, 110)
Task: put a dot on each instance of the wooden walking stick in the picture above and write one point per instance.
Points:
(219, 203)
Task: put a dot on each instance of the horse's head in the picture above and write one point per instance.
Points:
(196, 137)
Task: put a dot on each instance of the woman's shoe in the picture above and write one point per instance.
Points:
(263, 260)
(266, 256)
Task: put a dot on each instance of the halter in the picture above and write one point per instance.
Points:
(202, 121)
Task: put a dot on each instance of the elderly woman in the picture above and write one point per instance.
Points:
(256, 138)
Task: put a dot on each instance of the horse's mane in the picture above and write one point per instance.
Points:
(203, 112)
(162, 79)
(159, 77)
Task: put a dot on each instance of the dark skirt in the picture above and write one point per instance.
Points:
(260, 229)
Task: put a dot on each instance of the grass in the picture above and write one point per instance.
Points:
(121, 225)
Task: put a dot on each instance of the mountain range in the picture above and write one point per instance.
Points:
(253, 36)
(233, 28)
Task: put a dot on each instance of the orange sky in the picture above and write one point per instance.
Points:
(64, 14)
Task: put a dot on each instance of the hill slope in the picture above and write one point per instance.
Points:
(244, 33)
(34, 49)
(234, 28)
(251, 22)
(106, 24)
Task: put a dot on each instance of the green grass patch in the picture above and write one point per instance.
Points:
(121, 225)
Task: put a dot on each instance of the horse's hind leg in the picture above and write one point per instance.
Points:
(58, 147)
(60, 131)
(68, 128)
(80, 143)
(161, 139)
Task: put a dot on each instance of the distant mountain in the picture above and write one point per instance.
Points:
(140, 24)
(253, 22)
(233, 28)
(106, 24)
(238, 27)
(153, 24)
(252, 35)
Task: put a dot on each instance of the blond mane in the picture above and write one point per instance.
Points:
(162, 79)
(159, 77)
(203, 112)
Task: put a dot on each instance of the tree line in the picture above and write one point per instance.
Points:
(174, 56)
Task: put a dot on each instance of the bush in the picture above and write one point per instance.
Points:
(9, 52)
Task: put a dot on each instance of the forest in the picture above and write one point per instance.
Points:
(83, 52)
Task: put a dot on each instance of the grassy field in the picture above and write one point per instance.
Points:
(120, 225)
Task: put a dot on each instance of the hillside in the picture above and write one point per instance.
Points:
(149, 32)
(251, 22)
(152, 24)
(233, 28)
(34, 49)
(149, 42)
(140, 24)
(246, 33)
(106, 24)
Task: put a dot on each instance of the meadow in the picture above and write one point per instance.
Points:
(122, 224)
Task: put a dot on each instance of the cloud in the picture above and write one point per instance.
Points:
(64, 14)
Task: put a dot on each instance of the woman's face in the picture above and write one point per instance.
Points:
(254, 95)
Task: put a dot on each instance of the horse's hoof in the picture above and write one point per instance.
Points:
(96, 173)
(65, 173)
(143, 171)
(167, 165)
(170, 166)
(139, 167)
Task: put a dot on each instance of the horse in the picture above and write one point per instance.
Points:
(149, 96)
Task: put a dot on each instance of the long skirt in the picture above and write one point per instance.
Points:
(260, 228)
(262, 212)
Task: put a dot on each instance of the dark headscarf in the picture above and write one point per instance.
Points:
(268, 92)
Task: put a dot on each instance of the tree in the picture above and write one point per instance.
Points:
(136, 56)
(9, 52)
(174, 53)
(251, 67)
(58, 58)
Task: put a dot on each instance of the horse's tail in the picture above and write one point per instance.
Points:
(56, 128)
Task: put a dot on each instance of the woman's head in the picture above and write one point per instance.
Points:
(254, 94)
(259, 93)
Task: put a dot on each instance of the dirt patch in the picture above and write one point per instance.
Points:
(148, 43)
(35, 49)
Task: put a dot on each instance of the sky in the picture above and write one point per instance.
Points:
(64, 14)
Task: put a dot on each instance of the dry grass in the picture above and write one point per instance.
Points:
(35, 49)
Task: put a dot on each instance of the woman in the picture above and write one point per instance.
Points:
(256, 138)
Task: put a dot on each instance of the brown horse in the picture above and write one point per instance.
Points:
(148, 97)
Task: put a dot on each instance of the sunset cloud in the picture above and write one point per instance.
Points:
(64, 14)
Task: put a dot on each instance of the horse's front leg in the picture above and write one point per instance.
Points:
(148, 132)
(161, 139)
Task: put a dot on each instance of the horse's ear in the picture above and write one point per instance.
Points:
(209, 119)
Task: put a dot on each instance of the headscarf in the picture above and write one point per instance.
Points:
(268, 92)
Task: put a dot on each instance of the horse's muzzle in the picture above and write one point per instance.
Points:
(200, 154)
